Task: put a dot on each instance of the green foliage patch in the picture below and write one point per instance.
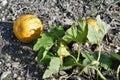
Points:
(53, 48)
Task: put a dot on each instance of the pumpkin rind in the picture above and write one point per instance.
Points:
(27, 28)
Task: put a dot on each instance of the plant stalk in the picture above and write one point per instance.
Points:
(83, 70)
(98, 59)
(99, 54)
(100, 74)
(79, 49)
(117, 75)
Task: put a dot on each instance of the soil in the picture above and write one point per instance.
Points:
(17, 59)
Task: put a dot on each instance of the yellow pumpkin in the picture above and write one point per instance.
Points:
(93, 23)
(27, 28)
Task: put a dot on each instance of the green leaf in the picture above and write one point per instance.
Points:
(40, 54)
(115, 56)
(103, 26)
(44, 56)
(81, 36)
(82, 30)
(56, 32)
(47, 58)
(70, 34)
(48, 73)
(88, 58)
(76, 33)
(68, 61)
(53, 67)
(82, 24)
(94, 36)
(105, 61)
(45, 41)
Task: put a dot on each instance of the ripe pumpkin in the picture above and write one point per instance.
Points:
(93, 23)
(27, 28)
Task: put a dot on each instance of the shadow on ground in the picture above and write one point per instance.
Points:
(17, 50)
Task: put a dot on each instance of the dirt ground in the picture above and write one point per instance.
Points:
(17, 59)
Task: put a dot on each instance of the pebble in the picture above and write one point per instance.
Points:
(15, 64)
(15, 75)
(0, 62)
(62, 73)
(52, 78)
(35, 72)
(19, 78)
(75, 46)
(8, 64)
(116, 51)
(4, 2)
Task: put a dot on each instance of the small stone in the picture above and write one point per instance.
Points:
(116, 51)
(15, 75)
(15, 64)
(4, 2)
(8, 64)
(35, 72)
(2, 32)
(52, 78)
(62, 73)
(19, 78)
(8, 57)
(75, 46)
(22, 73)
(0, 62)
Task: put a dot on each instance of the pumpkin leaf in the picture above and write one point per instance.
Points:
(56, 32)
(69, 61)
(82, 24)
(76, 33)
(45, 41)
(70, 34)
(44, 56)
(88, 58)
(53, 67)
(115, 56)
(105, 61)
(94, 36)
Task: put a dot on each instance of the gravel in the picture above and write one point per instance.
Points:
(17, 59)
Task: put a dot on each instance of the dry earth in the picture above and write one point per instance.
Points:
(17, 60)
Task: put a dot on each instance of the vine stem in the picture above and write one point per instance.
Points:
(79, 49)
(99, 54)
(117, 75)
(83, 70)
(99, 73)
(87, 66)
(98, 59)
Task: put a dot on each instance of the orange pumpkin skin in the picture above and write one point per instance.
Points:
(27, 28)
(93, 23)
